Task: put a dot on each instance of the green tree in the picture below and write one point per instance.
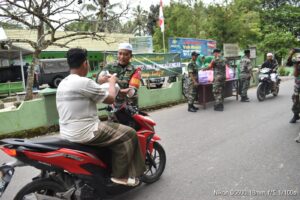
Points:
(278, 42)
(280, 26)
(234, 22)
(152, 19)
(286, 18)
(128, 27)
(103, 17)
(140, 21)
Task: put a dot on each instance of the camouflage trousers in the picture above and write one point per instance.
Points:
(120, 99)
(245, 84)
(295, 98)
(127, 159)
(218, 87)
(192, 93)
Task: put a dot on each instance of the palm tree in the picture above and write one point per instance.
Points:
(140, 21)
(103, 19)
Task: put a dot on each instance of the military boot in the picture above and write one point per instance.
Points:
(195, 108)
(191, 109)
(245, 99)
(295, 118)
(219, 107)
(222, 107)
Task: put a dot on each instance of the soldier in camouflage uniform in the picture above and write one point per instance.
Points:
(192, 80)
(218, 65)
(296, 101)
(245, 76)
(124, 71)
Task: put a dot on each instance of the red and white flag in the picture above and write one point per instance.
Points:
(161, 17)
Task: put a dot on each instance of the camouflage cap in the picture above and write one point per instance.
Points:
(194, 53)
(217, 51)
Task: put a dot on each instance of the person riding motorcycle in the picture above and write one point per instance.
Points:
(295, 97)
(124, 72)
(272, 64)
(76, 100)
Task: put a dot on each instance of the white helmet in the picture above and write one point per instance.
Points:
(269, 54)
(297, 58)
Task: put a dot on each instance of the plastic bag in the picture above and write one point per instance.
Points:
(202, 76)
(205, 76)
(229, 73)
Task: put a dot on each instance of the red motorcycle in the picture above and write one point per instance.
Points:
(72, 171)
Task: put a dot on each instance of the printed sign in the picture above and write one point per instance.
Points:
(185, 46)
(142, 44)
(252, 52)
(153, 65)
(231, 50)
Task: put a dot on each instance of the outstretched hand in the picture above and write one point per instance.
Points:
(112, 79)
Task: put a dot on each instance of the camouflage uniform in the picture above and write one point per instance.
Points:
(192, 91)
(124, 75)
(295, 96)
(245, 75)
(219, 68)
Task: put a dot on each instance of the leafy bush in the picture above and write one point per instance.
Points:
(282, 71)
(287, 73)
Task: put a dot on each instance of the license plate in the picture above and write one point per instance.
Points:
(6, 173)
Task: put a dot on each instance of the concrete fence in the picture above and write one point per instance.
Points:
(42, 112)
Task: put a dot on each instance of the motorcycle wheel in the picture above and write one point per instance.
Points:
(154, 171)
(40, 186)
(275, 93)
(261, 93)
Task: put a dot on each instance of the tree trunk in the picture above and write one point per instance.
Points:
(30, 78)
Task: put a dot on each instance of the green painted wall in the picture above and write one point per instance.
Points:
(50, 106)
(157, 97)
(10, 87)
(30, 114)
(42, 112)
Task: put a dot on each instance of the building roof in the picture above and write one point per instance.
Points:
(13, 52)
(90, 44)
(10, 51)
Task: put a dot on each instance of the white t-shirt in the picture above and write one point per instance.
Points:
(76, 100)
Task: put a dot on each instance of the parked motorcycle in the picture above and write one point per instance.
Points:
(72, 171)
(265, 87)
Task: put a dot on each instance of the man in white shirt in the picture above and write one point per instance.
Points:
(76, 101)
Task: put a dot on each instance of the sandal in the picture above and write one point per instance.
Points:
(132, 182)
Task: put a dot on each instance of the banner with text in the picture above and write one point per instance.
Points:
(153, 65)
(185, 46)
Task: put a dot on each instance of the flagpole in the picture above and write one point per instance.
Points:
(164, 42)
(162, 23)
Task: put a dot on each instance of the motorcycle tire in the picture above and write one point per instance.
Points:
(261, 93)
(44, 186)
(275, 93)
(154, 176)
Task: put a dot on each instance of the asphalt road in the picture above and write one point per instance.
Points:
(246, 152)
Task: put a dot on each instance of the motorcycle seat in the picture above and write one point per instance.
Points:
(61, 143)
